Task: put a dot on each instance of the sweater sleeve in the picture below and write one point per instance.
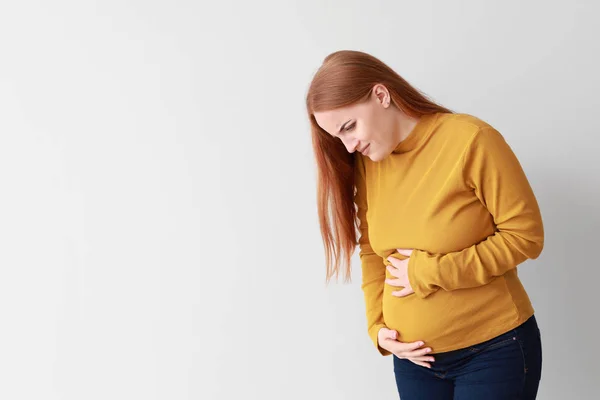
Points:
(372, 265)
(493, 172)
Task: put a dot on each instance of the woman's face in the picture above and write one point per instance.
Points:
(369, 127)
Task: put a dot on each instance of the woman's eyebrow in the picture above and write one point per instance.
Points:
(342, 127)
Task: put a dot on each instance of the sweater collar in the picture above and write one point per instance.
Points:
(417, 134)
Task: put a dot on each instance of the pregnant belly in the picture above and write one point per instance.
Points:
(444, 319)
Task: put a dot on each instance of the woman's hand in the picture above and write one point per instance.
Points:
(399, 269)
(387, 339)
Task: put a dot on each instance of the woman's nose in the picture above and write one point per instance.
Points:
(351, 145)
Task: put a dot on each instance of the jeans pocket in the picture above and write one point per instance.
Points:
(499, 341)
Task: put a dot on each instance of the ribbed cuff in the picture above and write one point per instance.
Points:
(417, 269)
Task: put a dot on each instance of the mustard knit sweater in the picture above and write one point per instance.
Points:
(454, 192)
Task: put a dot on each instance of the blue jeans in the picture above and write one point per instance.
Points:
(506, 367)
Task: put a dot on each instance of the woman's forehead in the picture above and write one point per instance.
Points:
(332, 120)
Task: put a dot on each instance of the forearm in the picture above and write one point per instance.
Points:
(373, 283)
(474, 266)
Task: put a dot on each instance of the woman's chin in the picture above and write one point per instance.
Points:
(375, 157)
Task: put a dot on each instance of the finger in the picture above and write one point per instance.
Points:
(417, 353)
(421, 363)
(405, 252)
(406, 347)
(396, 262)
(404, 292)
(394, 271)
(424, 358)
(395, 282)
(401, 265)
(390, 334)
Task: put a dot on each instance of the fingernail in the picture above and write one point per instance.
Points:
(421, 343)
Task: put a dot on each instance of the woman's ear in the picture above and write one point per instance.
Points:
(382, 95)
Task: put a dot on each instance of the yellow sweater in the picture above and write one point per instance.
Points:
(454, 192)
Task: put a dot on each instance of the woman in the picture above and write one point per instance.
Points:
(445, 214)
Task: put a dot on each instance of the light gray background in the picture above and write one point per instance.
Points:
(158, 228)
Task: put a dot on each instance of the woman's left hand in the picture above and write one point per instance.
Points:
(399, 269)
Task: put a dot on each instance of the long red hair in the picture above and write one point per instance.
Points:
(346, 77)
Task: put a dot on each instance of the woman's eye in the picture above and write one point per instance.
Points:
(350, 127)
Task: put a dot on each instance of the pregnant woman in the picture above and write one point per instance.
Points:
(445, 214)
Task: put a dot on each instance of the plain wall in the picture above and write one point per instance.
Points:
(158, 228)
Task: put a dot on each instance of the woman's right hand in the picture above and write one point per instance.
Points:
(387, 339)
